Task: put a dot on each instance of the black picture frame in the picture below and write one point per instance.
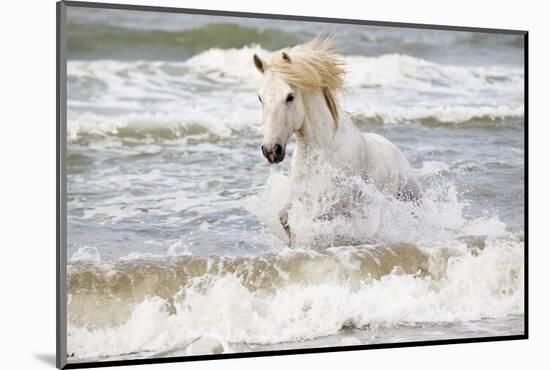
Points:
(61, 185)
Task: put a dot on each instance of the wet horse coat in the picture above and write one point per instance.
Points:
(298, 95)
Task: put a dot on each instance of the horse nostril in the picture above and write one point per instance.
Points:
(278, 150)
(264, 152)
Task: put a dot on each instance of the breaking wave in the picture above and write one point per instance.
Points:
(149, 305)
(110, 41)
(431, 262)
(401, 265)
(214, 93)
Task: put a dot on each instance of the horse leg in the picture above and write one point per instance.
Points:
(283, 219)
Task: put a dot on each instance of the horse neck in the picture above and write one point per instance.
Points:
(317, 131)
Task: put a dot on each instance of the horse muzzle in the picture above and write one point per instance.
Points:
(274, 153)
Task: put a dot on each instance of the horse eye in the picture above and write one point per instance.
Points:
(260, 98)
(289, 98)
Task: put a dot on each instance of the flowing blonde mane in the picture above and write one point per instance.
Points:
(312, 66)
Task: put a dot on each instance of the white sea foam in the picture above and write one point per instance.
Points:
(474, 286)
(225, 66)
(217, 90)
(374, 216)
(432, 168)
(258, 302)
(86, 254)
(312, 294)
(438, 114)
(313, 297)
(404, 72)
(170, 125)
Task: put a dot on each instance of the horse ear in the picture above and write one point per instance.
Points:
(259, 63)
(286, 57)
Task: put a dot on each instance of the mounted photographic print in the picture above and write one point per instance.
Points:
(234, 184)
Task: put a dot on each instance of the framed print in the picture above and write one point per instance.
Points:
(235, 184)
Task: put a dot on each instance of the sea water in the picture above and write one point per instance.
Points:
(174, 242)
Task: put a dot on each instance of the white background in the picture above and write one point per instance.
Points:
(27, 204)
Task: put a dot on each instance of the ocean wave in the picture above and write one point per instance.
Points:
(177, 247)
(485, 39)
(235, 65)
(217, 89)
(441, 266)
(466, 116)
(118, 36)
(371, 215)
(288, 296)
(402, 70)
(92, 41)
(243, 123)
(156, 127)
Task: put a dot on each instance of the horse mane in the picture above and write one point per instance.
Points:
(312, 66)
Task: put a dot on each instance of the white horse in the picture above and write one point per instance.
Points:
(298, 96)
